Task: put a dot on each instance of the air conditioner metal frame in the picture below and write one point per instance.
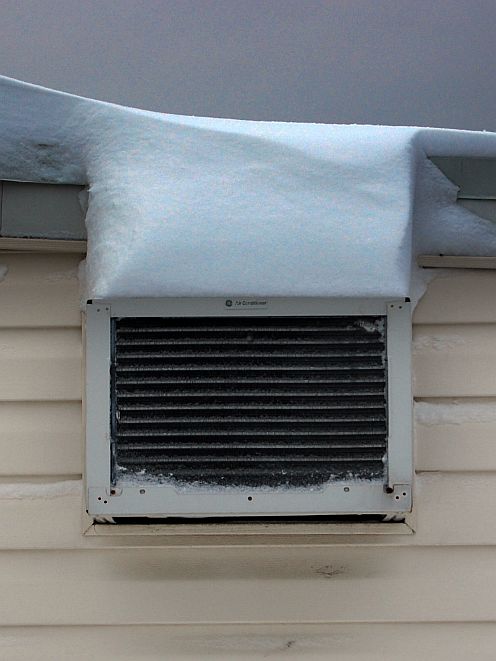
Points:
(342, 497)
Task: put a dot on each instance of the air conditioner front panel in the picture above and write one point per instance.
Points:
(245, 411)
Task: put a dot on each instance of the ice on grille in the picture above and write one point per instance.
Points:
(184, 206)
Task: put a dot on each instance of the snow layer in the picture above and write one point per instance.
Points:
(30, 490)
(455, 412)
(184, 206)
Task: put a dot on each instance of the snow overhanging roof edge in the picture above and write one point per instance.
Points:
(260, 183)
(36, 120)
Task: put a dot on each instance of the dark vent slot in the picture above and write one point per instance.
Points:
(294, 401)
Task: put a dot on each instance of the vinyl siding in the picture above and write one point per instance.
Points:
(304, 595)
(315, 642)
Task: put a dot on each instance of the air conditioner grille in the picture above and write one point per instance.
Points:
(266, 401)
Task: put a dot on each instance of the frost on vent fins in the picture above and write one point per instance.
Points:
(293, 401)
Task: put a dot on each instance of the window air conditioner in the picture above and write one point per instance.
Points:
(248, 407)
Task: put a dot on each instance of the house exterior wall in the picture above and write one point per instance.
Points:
(430, 594)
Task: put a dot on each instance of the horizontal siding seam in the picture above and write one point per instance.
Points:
(257, 623)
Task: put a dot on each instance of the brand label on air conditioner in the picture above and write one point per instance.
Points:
(245, 303)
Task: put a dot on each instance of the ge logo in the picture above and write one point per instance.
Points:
(228, 303)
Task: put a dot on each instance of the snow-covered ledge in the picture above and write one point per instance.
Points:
(187, 206)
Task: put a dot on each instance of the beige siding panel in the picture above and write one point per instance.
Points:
(470, 447)
(450, 509)
(162, 586)
(455, 434)
(40, 364)
(40, 522)
(40, 438)
(458, 298)
(315, 642)
(453, 508)
(454, 361)
(39, 290)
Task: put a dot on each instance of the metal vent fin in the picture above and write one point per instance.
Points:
(269, 401)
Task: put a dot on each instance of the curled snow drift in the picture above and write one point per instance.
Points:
(183, 206)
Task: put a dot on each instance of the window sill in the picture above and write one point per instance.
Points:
(236, 530)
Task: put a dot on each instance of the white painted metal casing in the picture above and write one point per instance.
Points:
(350, 497)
